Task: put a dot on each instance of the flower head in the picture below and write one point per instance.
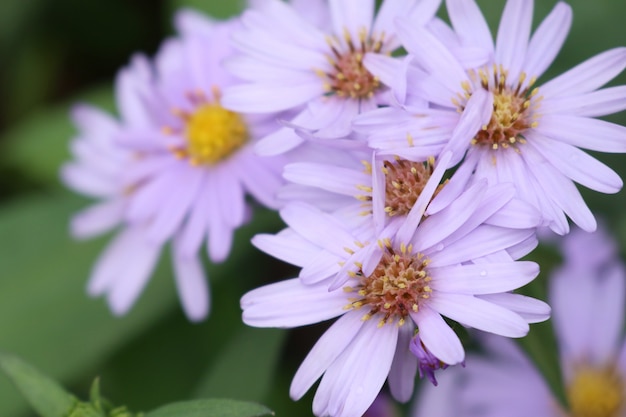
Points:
(188, 165)
(510, 128)
(328, 72)
(383, 287)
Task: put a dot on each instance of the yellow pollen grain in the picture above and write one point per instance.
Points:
(213, 134)
(350, 251)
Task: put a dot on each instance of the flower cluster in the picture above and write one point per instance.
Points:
(311, 107)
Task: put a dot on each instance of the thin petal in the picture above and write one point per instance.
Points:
(402, 374)
(483, 279)
(438, 337)
(513, 34)
(586, 133)
(191, 284)
(548, 39)
(332, 343)
(588, 76)
(291, 304)
(480, 314)
(469, 23)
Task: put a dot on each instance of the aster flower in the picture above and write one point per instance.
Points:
(515, 130)
(382, 288)
(327, 72)
(188, 165)
(588, 297)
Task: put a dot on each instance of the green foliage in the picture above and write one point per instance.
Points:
(47, 397)
(212, 408)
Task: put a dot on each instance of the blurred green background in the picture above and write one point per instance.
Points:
(55, 53)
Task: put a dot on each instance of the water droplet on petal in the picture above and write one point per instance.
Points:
(439, 247)
(483, 273)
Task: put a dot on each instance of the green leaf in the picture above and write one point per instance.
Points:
(212, 408)
(250, 356)
(45, 314)
(45, 395)
(218, 9)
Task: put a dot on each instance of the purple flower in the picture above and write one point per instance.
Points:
(457, 264)
(187, 165)
(509, 129)
(588, 311)
(427, 363)
(327, 70)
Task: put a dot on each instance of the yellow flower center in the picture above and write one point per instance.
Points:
(214, 133)
(596, 393)
(404, 182)
(514, 107)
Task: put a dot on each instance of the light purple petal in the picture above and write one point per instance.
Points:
(326, 350)
(253, 98)
(480, 314)
(595, 104)
(469, 24)
(191, 284)
(483, 279)
(438, 337)
(548, 39)
(577, 165)
(588, 76)
(351, 15)
(97, 219)
(402, 374)
(289, 303)
(513, 34)
(482, 241)
(586, 133)
(530, 309)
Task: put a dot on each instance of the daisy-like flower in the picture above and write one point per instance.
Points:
(327, 72)
(588, 296)
(383, 288)
(516, 130)
(188, 166)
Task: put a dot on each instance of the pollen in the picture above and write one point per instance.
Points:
(404, 182)
(348, 77)
(596, 393)
(514, 109)
(212, 132)
(397, 287)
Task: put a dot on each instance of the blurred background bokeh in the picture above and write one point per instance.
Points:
(56, 53)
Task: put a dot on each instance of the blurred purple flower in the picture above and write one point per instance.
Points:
(176, 167)
(588, 311)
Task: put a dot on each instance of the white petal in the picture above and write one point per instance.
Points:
(351, 15)
(286, 246)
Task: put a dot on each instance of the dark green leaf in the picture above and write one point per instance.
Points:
(45, 395)
(212, 408)
(250, 356)
(218, 9)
